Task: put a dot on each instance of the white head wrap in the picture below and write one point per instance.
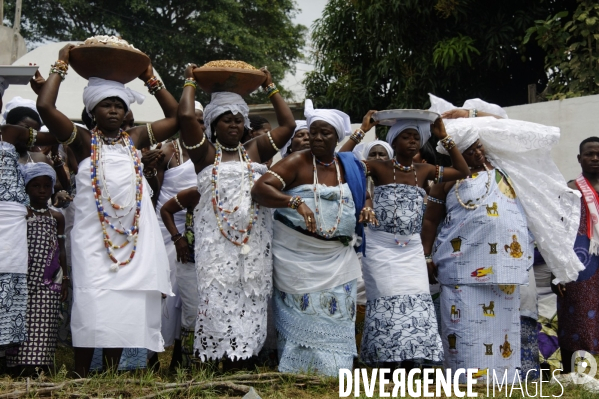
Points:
(98, 89)
(423, 127)
(198, 106)
(463, 137)
(18, 102)
(383, 144)
(221, 102)
(33, 170)
(339, 120)
(299, 125)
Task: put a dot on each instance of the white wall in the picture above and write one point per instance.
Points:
(577, 118)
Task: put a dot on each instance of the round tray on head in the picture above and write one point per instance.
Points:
(235, 80)
(121, 64)
(390, 116)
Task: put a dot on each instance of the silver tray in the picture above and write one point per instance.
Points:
(18, 75)
(390, 116)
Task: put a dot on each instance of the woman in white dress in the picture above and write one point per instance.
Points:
(233, 234)
(120, 266)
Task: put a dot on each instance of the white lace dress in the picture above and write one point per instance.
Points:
(233, 288)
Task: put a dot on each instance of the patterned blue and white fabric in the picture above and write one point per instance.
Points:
(131, 359)
(12, 184)
(13, 308)
(401, 327)
(316, 330)
(399, 208)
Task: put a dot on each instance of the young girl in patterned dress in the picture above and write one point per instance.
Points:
(47, 280)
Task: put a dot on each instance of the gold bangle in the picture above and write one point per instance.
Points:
(70, 139)
(151, 134)
(273, 93)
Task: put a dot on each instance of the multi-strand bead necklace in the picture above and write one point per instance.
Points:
(98, 140)
(220, 212)
(322, 230)
(474, 205)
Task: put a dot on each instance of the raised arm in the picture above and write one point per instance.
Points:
(434, 214)
(357, 136)
(161, 129)
(280, 135)
(58, 123)
(460, 168)
(192, 134)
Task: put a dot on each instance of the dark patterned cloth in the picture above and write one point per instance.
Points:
(13, 307)
(42, 303)
(529, 349)
(12, 184)
(399, 208)
(409, 317)
(578, 310)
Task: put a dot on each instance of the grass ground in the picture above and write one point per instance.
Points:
(209, 383)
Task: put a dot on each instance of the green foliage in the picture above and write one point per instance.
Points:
(449, 51)
(176, 32)
(381, 54)
(572, 46)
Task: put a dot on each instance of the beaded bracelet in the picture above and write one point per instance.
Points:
(270, 88)
(295, 202)
(428, 258)
(193, 147)
(175, 237)
(71, 138)
(190, 82)
(32, 137)
(60, 67)
(278, 177)
(448, 143)
(178, 203)
(151, 134)
(174, 242)
(61, 236)
(435, 200)
(154, 85)
(151, 174)
(272, 142)
(472, 113)
(366, 168)
(439, 174)
(357, 135)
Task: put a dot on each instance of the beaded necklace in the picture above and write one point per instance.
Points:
(401, 167)
(43, 210)
(324, 163)
(132, 233)
(470, 205)
(177, 151)
(396, 227)
(323, 231)
(220, 212)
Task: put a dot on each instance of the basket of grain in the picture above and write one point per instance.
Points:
(108, 57)
(226, 75)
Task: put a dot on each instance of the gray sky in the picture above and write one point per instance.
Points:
(310, 10)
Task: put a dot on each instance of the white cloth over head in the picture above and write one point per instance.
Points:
(523, 151)
(339, 120)
(33, 170)
(221, 102)
(374, 143)
(198, 106)
(299, 125)
(17, 102)
(440, 106)
(98, 89)
(423, 127)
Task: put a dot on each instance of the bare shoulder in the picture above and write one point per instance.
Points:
(57, 215)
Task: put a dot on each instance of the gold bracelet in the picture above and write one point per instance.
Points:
(193, 147)
(70, 139)
(151, 134)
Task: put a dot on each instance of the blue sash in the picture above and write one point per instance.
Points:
(356, 180)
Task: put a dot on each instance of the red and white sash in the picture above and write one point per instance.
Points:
(592, 203)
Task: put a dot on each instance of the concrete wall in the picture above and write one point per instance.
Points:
(6, 41)
(577, 118)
